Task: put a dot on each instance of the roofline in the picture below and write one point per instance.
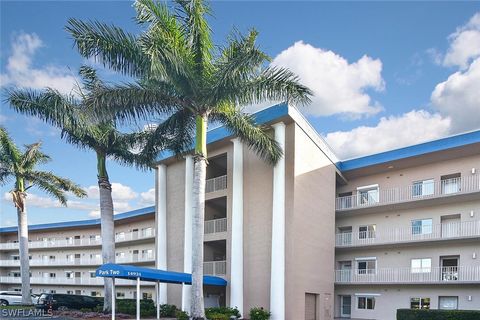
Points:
(442, 144)
(217, 134)
(83, 223)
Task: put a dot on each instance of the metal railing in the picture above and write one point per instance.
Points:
(56, 243)
(434, 189)
(80, 261)
(71, 281)
(215, 267)
(442, 231)
(215, 226)
(409, 275)
(216, 184)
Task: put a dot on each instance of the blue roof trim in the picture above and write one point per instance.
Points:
(411, 151)
(260, 117)
(82, 223)
(112, 270)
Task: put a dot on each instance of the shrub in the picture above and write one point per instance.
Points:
(423, 314)
(259, 314)
(168, 310)
(219, 311)
(181, 315)
(217, 316)
(129, 306)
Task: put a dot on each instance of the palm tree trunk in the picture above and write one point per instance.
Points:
(200, 172)
(107, 227)
(23, 250)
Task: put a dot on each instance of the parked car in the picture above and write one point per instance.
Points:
(12, 298)
(67, 301)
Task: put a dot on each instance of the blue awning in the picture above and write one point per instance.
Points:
(112, 270)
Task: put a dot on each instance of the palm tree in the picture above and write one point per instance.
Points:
(66, 113)
(182, 76)
(22, 168)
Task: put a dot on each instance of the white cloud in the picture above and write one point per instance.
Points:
(21, 72)
(34, 200)
(120, 192)
(147, 198)
(119, 207)
(459, 98)
(464, 44)
(339, 86)
(390, 133)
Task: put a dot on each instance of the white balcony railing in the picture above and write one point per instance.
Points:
(216, 184)
(216, 226)
(453, 230)
(80, 261)
(57, 243)
(70, 281)
(215, 268)
(446, 187)
(409, 275)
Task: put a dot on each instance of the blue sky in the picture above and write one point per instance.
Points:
(385, 75)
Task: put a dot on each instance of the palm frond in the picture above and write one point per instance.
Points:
(49, 105)
(132, 101)
(9, 152)
(254, 136)
(54, 185)
(110, 45)
(33, 156)
(193, 14)
(273, 84)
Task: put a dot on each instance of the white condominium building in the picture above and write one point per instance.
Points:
(310, 238)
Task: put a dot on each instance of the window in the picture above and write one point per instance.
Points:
(147, 232)
(419, 303)
(423, 188)
(366, 303)
(120, 236)
(92, 274)
(53, 291)
(94, 237)
(448, 303)
(53, 275)
(366, 232)
(421, 265)
(69, 292)
(96, 256)
(451, 183)
(147, 253)
(120, 294)
(69, 274)
(367, 194)
(146, 295)
(422, 226)
(366, 265)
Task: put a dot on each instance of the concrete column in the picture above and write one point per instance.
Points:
(161, 225)
(236, 265)
(187, 247)
(277, 274)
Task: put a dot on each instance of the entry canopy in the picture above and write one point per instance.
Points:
(112, 270)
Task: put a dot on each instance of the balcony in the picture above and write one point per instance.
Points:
(437, 275)
(85, 242)
(216, 226)
(430, 190)
(88, 281)
(215, 268)
(216, 184)
(445, 231)
(140, 258)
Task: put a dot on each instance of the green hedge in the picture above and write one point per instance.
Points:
(221, 313)
(409, 314)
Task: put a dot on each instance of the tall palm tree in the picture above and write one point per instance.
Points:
(66, 113)
(21, 166)
(182, 76)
